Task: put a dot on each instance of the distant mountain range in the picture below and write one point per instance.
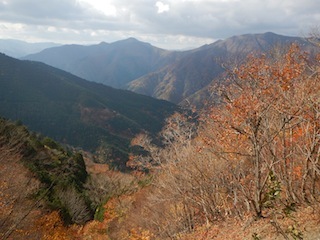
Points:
(190, 77)
(171, 75)
(113, 64)
(18, 48)
(75, 111)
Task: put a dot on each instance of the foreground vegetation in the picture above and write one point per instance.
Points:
(256, 153)
(46, 191)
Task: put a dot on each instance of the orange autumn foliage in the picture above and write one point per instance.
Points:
(267, 122)
(52, 228)
(255, 154)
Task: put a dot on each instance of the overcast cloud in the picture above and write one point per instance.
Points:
(169, 24)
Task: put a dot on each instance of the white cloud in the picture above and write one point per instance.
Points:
(176, 23)
(102, 6)
(162, 7)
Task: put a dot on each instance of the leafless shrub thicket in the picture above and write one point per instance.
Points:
(255, 153)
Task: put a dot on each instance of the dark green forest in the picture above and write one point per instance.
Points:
(77, 112)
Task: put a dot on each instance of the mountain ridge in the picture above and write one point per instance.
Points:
(113, 64)
(190, 76)
(175, 76)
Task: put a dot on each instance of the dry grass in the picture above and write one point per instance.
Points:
(18, 211)
(303, 222)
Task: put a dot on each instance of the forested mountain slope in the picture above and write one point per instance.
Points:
(74, 111)
(189, 77)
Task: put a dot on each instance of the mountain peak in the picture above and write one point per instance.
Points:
(130, 40)
(270, 34)
(103, 43)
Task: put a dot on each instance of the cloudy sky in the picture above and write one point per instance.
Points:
(170, 24)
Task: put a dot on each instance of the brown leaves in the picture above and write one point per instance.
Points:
(52, 227)
(253, 153)
(268, 119)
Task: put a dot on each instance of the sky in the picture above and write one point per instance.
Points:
(169, 24)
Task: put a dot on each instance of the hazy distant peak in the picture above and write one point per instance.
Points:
(270, 34)
(114, 64)
(103, 43)
(130, 41)
(127, 40)
(17, 48)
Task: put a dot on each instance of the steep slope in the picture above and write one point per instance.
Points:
(113, 64)
(180, 80)
(75, 111)
(35, 174)
(17, 48)
(193, 73)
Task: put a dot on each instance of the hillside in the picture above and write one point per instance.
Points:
(250, 168)
(113, 64)
(190, 76)
(74, 111)
(38, 178)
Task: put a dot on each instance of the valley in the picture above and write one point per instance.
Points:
(176, 76)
